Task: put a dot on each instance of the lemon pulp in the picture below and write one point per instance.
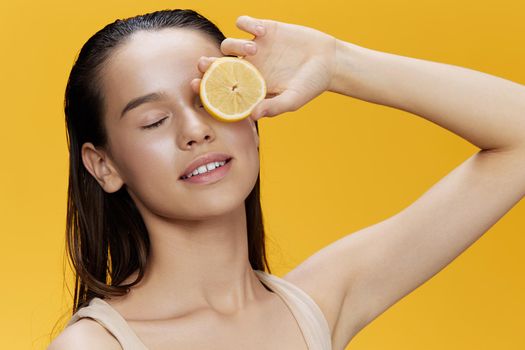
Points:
(231, 87)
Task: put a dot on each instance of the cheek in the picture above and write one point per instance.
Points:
(243, 135)
(147, 160)
(151, 175)
(246, 148)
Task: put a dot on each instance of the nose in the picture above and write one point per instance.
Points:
(194, 128)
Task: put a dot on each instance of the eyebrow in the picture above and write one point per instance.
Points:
(134, 103)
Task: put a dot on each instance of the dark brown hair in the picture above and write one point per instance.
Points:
(106, 238)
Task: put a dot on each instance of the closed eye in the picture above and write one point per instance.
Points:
(155, 125)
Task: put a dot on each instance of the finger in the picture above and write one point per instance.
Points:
(251, 25)
(287, 101)
(238, 47)
(195, 85)
(204, 63)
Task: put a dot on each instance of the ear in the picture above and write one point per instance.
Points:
(100, 167)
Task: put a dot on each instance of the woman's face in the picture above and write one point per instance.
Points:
(151, 161)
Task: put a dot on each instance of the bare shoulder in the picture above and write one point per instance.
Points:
(85, 334)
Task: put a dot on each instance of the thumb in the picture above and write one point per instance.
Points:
(287, 101)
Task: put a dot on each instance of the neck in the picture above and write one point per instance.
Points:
(197, 264)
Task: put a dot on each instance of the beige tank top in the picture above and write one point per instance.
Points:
(307, 313)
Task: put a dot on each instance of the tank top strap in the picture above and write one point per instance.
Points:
(308, 314)
(109, 318)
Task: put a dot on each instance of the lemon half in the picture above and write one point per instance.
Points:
(230, 88)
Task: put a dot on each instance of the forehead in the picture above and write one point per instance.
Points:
(150, 61)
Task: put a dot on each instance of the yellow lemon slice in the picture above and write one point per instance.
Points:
(230, 88)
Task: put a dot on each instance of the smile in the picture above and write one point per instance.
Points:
(209, 173)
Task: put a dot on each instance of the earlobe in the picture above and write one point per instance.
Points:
(99, 166)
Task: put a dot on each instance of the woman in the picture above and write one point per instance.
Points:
(136, 126)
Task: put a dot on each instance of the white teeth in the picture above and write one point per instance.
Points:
(202, 169)
(205, 168)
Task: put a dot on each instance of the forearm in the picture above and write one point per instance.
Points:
(486, 110)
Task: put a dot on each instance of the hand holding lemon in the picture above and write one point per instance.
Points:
(293, 63)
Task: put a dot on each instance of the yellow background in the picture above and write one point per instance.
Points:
(335, 166)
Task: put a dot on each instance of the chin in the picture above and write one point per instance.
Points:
(222, 203)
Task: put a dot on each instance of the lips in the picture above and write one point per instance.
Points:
(205, 159)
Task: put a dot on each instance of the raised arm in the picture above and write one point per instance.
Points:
(378, 265)
(359, 276)
(486, 110)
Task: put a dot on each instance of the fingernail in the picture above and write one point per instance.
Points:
(259, 30)
(250, 48)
